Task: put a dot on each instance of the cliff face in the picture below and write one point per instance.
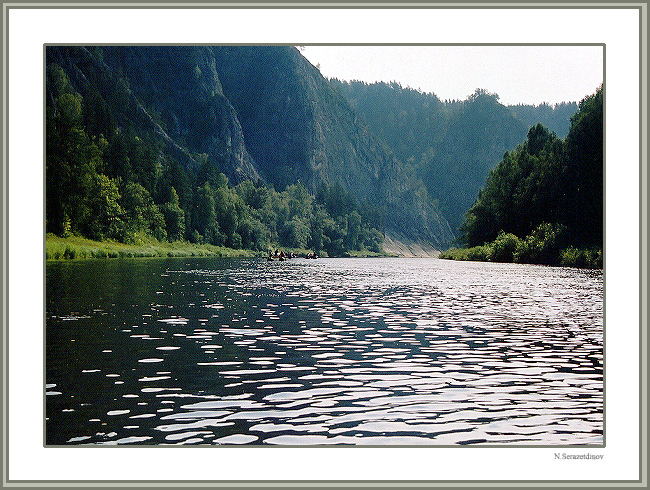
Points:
(298, 127)
(174, 91)
(256, 113)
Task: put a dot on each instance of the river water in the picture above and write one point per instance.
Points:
(331, 351)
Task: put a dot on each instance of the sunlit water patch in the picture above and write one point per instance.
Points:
(333, 351)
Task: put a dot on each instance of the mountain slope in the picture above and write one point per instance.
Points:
(263, 114)
(173, 91)
(451, 145)
(299, 129)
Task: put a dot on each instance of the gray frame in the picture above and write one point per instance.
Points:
(642, 7)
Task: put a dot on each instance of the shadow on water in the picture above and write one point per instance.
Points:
(334, 351)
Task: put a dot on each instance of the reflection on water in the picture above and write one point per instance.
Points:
(333, 351)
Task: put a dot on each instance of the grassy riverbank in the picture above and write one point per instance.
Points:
(74, 247)
(537, 248)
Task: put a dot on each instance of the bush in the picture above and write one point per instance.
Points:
(70, 253)
(481, 253)
(522, 252)
(543, 244)
(504, 247)
(576, 257)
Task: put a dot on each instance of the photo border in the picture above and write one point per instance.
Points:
(643, 347)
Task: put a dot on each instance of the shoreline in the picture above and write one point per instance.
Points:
(569, 257)
(63, 249)
(59, 249)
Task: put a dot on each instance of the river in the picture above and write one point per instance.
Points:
(380, 351)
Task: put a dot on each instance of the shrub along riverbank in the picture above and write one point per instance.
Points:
(543, 246)
(75, 247)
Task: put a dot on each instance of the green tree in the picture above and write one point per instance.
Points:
(72, 162)
(142, 215)
(205, 221)
(174, 217)
(228, 205)
(296, 233)
(584, 152)
(106, 221)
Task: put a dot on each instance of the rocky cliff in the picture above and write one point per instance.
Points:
(256, 113)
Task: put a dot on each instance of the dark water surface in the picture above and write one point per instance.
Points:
(328, 351)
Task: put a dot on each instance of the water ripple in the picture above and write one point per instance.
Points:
(334, 351)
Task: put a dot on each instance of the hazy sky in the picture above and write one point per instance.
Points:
(519, 74)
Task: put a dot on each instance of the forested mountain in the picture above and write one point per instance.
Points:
(298, 128)
(543, 202)
(240, 146)
(547, 179)
(452, 145)
(172, 94)
(249, 146)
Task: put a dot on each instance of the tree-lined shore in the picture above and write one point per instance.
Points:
(108, 183)
(543, 203)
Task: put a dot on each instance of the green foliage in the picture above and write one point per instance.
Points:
(69, 109)
(57, 80)
(254, 234)
(546, 180)
(335, 199)
(174, 217)
(520, 192)
(576, 257)
(109, 178)
(296, 233)
(584, 156)
(481, 253)
(205, 216)
(545, 245)
(196, 237)
(142, 215)
(504, 247)
(450, 145)
(106, 221)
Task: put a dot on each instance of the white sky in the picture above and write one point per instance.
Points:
(519, 74)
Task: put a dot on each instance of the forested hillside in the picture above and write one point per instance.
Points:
(298, 128)
(250, 147)
(450, 145)
(169, 141)
(543, 203)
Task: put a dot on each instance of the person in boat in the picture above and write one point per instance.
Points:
(270, 257)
